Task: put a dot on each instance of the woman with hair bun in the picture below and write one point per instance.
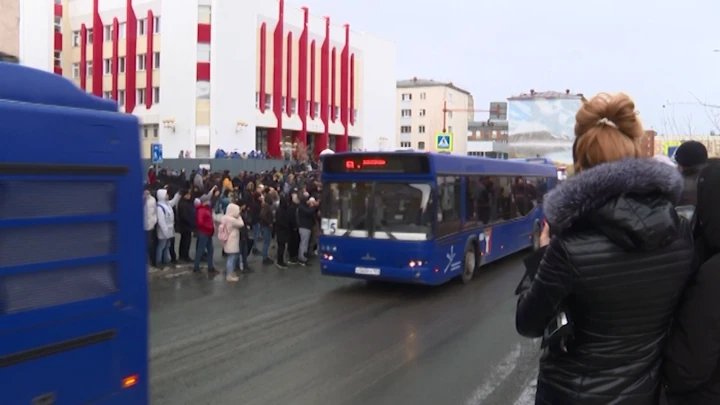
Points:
(616, 264)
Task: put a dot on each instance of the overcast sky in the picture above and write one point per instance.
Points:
(658, 51)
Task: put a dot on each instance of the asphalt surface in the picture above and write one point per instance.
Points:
(294, 337)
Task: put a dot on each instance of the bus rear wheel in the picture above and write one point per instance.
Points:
(469, 264)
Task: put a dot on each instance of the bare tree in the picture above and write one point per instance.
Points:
(301, 151)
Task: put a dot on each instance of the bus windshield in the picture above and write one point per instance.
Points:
(380, 210)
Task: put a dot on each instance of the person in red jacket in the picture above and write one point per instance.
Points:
(205, 232)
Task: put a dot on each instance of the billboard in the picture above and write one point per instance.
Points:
(543, 126)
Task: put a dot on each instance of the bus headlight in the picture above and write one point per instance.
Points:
(327, 256)
(416, 263)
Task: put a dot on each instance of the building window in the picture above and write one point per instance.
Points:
(76, 38)
(355, 115)
(58, 59)
(156, 95)
(421, 145)
(268, 101)
(89, 68)
(449, 113)
(141, 26)
(202, 90)
(405, 144)
(307, 108)
(449, 129)
(257, 100)
(422, 111)
(156, 60)
(107, 66)
(107, 94)
(421, 129)
(141, 61)
(205, 14)
(140, 96)
(423, 96)
(284, 101)
(108, 32)
(58, 24)
(89, 36)
(203, 52)
(337, 113)
(123, 30)
(75, 70)
(121, 98)
(405, 129)
(317, 108)
(156, 24)
(449, 97)
(293, 106)
(121, 64)
(406, 97)
(406, 113)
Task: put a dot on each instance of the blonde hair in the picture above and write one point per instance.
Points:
(607, 128)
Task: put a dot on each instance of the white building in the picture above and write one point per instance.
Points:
(202, 76)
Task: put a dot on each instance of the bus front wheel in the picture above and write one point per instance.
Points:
(469, 264)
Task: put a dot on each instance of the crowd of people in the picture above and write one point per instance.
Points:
(624, 288)
(246, 212)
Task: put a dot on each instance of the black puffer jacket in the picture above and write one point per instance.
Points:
(619, 262)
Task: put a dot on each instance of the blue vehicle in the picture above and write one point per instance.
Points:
(73, 279)
(424, 217)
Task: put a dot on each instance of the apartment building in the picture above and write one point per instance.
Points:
(433, 115)
(233, 75)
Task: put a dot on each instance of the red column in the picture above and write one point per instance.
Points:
(313, 113)
(149, 60)
(275, 134)
(352, 89)
(341, 145)
(58, 38)
(321, 142)
(288, 76)
(303, 78)
(263, 65)
(333, 87)
(83, 57)
(97, 82)
(114, 61)
(130, 58)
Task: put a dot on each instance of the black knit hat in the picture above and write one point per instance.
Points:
(691, 153)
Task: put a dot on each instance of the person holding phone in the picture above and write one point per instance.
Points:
(613, 262)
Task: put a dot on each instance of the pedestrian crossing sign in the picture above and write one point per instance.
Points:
(444, 142)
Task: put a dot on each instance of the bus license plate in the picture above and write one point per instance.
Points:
(367, 271)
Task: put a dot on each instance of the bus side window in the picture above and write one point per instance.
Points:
(449, 205)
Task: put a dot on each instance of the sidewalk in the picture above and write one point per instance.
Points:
(182, 268)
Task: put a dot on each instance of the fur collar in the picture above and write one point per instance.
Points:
(591, 189)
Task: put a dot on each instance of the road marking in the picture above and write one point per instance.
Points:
(527, 397)
(500, 373)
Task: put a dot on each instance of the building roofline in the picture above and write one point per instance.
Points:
(423, 83)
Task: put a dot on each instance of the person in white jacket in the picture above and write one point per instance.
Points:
(150, 223)
(229, 230)
(165, 226)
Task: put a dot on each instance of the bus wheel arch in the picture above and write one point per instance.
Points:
(470, 261)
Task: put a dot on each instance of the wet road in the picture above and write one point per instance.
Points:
(295, 337)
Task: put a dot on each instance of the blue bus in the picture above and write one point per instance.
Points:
(73, 279)
(426, 218)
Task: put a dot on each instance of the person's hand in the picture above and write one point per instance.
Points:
(166, 186)
(545, 236)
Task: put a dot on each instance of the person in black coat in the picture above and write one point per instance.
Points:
(617, 262)
(692, 356)
(186, 224)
